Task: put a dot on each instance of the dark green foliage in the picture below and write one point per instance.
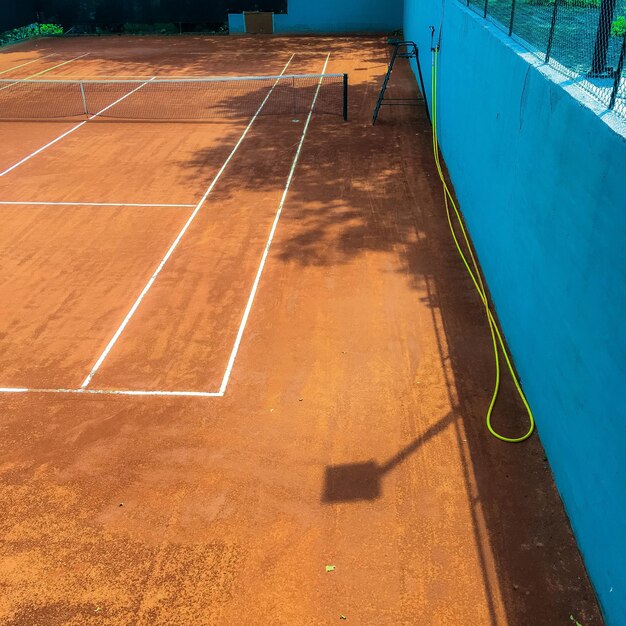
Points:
(618, 27)
(50, 30)
(29, 32)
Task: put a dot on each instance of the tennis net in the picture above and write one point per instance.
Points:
(161, 99)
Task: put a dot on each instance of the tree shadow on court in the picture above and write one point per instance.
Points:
(528, 532)
(349, 198)
(276, 133)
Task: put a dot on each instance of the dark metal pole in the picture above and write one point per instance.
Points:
(345, 97)
(383, 89)
(603, 34)
(419, 71)
(618, 73)
(512, 17)
(485, 11)
(552, 26)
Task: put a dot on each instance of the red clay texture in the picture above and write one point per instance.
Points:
(351, 431)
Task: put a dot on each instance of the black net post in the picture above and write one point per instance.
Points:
(345, 97)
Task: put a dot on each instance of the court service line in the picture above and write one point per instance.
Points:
(54, 67)
(116, 392)
(133, 204)
(17, 67)
(180, 235)
(71, 130)
(268, 245)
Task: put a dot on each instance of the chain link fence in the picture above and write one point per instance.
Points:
(585, 40)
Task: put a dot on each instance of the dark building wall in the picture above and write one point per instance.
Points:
(15, 13)
(70, 12)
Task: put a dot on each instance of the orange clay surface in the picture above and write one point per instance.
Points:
(351, 430)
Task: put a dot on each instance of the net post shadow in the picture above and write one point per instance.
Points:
(353, 482)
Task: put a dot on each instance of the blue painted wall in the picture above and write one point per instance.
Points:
(340, 16)
(333, 16)
(236, 23)
(541, 179)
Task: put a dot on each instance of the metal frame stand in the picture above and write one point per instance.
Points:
(404, 50)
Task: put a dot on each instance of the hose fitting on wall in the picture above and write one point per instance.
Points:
(433, 47)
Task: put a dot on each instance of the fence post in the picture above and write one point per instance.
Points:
(485, 12)
(551, 35)
(512, 17)
(618, 73)
(345, 97)
(603, 35)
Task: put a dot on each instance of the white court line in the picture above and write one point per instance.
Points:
(257, 279)
(174, 245)
(116, 392)
(11, 69)
(246, 315)
(133, 204)
(175, 77)
(54, 67)
(71, 130)
(113, 77)
(130, 93)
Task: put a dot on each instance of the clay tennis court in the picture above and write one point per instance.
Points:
(239, 349)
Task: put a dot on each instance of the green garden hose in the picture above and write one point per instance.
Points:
(475, 275)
